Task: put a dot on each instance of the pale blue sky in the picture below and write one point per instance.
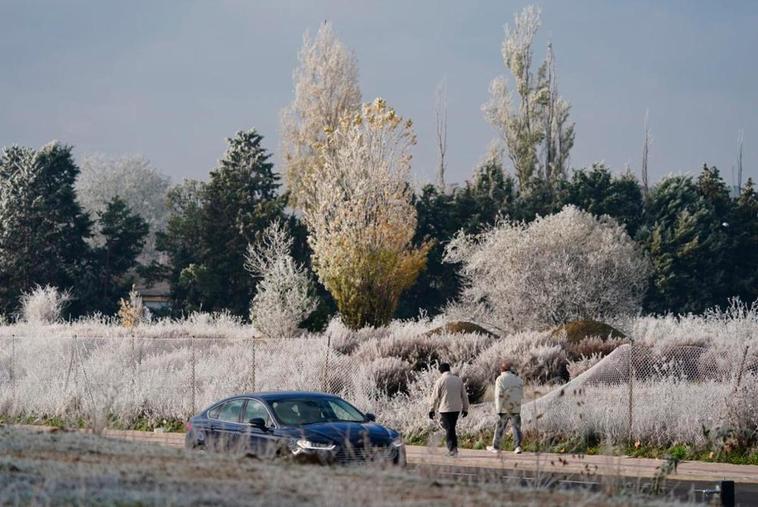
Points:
(172, 79)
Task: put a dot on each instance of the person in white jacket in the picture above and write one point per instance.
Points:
(450, 399)
(509, 390)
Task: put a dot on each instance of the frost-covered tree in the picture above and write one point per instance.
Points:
(132, 179)
(360, 217)
(566, 266)
(284, 295)
(43, 230)
(326, 88)
(534, 126)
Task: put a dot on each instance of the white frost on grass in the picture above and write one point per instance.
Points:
(92, 368)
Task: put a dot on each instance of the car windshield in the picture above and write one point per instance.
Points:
(300, 411)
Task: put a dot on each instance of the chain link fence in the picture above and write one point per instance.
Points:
(99, 380)
(628, 382)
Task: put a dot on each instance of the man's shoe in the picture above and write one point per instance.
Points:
(453, 453)
(493, 450)
(517, 450)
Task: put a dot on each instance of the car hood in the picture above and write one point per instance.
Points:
(357, 434)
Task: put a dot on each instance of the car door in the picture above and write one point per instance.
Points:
(227, 428)
(260, 442)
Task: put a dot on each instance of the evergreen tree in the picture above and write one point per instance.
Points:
(436, 223)
(597, 191)
(42, 227)
(490, 195)
(239, 201)
(744, 259)
(124, 234)
(180, 242)
(688, 241)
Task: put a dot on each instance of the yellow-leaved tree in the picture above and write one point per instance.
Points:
(360, 217)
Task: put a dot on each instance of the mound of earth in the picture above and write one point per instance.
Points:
(459, 327)
(578, 330)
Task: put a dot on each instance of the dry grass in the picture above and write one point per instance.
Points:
(76, 469)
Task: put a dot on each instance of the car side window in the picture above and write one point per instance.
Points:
(255, 409)
(215, 411)
(230, 412)
(340, 412)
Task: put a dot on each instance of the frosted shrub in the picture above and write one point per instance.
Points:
(419, 351)
(593, 346)
(284, 295)
(43, 305)
(562, 267)
(537, 356)
(389, 374)
(132, 312)
(584, 363)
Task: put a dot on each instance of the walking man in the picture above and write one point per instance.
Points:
(450, 399)
(509, 390)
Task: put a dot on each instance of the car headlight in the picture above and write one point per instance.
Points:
(398, 442)
(315, 446)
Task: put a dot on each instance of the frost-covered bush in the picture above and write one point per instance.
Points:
(562, 267)
(44, 305)
(582, 364)
(422, 351)
(419, 351)
(132, 311)
(592, 346)
(536, 356)
(390, 375)
(284, 296)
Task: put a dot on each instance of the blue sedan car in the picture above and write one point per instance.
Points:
(303, 425)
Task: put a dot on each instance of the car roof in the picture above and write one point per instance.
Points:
(282, 395)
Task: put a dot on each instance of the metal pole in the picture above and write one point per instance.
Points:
(252, 374)
(631, 391)
(192, 380)
(727, 493)
(324, 386)
(13, 371)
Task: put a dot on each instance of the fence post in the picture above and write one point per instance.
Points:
(741, 370)
(12, 372)
(324, 386)
(252, 373)
(192, 374)
(631, 392)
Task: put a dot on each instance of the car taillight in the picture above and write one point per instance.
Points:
(189, 425)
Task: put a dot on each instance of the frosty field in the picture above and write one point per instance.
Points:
(99, 374)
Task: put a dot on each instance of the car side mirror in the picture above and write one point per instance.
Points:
(370, 417)
(258, 422)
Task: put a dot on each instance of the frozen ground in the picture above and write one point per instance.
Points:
(75, 469)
